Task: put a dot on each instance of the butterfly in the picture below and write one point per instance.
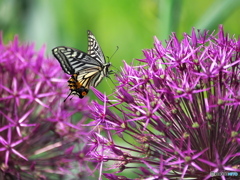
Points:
(86, 69)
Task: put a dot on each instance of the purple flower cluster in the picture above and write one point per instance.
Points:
(38, 136)
(176, 114)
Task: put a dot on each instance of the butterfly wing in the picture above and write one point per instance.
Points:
(94, 49)
(90, 76)
(87, 69)
(73, 60)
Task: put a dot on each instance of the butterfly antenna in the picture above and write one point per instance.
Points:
(109, 58)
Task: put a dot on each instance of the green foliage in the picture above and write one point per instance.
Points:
(130, 25)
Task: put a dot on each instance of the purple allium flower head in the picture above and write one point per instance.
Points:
(37, 134)
(177, 114)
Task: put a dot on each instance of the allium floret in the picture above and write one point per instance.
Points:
(38, 137)
(177, 114)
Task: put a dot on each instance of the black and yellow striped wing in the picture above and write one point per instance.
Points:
(73, 60)
(87, 69)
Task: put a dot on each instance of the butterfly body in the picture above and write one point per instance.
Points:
(87, 69)
(76, 88)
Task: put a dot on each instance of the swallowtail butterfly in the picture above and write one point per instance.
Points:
(87, 69)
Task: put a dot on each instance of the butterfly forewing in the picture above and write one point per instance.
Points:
(94, 50)
(64, 56)
(73, 60)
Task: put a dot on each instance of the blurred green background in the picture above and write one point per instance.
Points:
(128, 24)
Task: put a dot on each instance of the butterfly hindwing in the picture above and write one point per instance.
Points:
(90, 77)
